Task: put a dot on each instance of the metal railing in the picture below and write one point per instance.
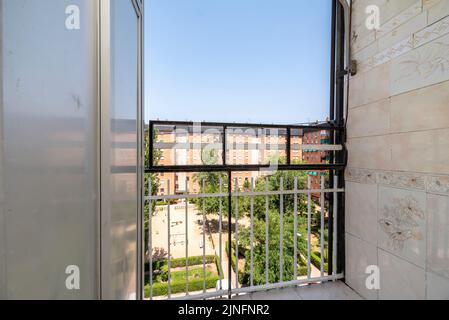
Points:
(229, 195)
(232, 288)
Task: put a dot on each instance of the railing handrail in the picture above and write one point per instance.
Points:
(243, 168)
(225, 166)
(313, 125)
(241, 194)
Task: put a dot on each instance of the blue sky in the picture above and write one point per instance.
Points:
(259, 61)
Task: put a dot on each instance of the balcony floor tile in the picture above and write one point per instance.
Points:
(325, 291)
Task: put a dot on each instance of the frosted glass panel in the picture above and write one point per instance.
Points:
(48, 102)
(124, 104)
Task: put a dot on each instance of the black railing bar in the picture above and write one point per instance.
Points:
(229, 235)
(247, 146)
(289, 146)
(151, 145)
(243, 168)
(327, 126)
(224, 146)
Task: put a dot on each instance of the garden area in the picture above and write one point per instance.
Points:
(258, 204)
(274, 227)
(178, 276)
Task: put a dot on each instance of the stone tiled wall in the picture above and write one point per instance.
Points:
(397, 200)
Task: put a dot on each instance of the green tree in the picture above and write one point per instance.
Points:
(274, 182)
(150, 178)
(259, 215)
(274, 245)
(209, 183)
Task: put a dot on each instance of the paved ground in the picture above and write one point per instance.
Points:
(178, 231)
(325, 291)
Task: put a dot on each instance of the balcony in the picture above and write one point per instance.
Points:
(77, 220)
(236, 227)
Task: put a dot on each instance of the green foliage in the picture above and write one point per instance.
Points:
(161, 288)
(315, 259)
(303, 271)
(211, 185)
(165, 202)
(181, 262)
(219, 268)
(274, 184)
(178, 278)
(150, 178)
(234, 261)
(274, 243)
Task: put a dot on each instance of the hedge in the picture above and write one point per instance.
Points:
(241, 274)
(219, 269)
(181, 262)
(233, 261)
(181, 275)
(316, 261)
(303, 271)
(161, 289)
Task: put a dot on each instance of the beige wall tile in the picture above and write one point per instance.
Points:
(376, 84)
(423, 109)
(398, 9)
(437, 287)
(438, 234)
(359, 256)
(369, 153)
(421, 67)
(438, 11)
(402, 224)
(393, 14)
(361, 175)
(369, 120)
(365, 66)
(437, 184)
(365, 54)
(361, 211)
(401, 180)
(395, 51)
(360, 41)
(370, 87)
(356, 90)
(432, 32)
(424, 152)
(427, 4)
(403, 31)
(400, 279)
